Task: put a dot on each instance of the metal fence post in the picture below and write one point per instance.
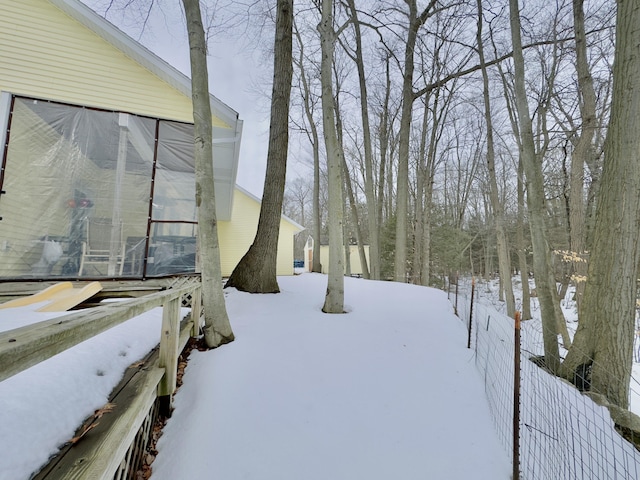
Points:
(516, 399)
(473, 288)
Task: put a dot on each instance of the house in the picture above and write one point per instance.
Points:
(237, 235)
(97, 174)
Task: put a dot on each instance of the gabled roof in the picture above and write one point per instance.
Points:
(145, 57)
(295, 224)
(226, 142)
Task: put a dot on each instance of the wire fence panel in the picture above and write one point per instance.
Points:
(564, 435)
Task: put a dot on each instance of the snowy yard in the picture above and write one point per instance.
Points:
(388, 390)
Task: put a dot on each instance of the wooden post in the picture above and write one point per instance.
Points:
(169, 353)
(196, 308)
(516, 400)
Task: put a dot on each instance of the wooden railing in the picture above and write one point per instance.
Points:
(27, 346)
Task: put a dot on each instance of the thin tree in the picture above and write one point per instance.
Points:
(607, 314)
(582, 151)
(217, 328)
(312, 134)
(334, 300)
(256, 271)
(543, 274)
(408, 96)
(369, 191)
(504, 260)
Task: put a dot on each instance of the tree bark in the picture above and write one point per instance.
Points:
(408, 96)
(217, 328)
(374, 239)
(607, 315)
(543, 273)
(582, 152)
(334, 299)
(520, 245)
(315, 145)
(504, 260)
(256, 271)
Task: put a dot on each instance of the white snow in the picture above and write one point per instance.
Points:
(388, 390)
(41, 407)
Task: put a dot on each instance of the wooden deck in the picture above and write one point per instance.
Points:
(112, 443)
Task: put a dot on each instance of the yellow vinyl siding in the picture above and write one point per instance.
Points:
(237, 235)
(45, 53)
(354, 258)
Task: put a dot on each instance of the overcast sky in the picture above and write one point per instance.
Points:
(237, 73)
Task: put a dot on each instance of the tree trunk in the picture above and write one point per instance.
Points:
(315, 145)
(374, 249)
(217, 329)
(384, 147)
(334, 300)
(521, 248)
(582, 152)
(504, 260)
(543, 273)
(402, 182)
(256, 272)
(607, 316)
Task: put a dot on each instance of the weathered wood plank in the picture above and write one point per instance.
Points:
(117, 396)
(24, 347)
(98, 455)
(114, 287)
(121, 396)
(169, 338)
(196, 307)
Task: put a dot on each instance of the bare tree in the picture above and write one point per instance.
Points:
(408, 96)
(334, 300)
(607, 315)
(312, 134)
(545, 282)
(217, 329)
(504, 259)
(372, 219)
(256, 271)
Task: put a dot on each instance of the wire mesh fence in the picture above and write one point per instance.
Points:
(562, 433)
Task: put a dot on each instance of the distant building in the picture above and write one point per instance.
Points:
(354, 257)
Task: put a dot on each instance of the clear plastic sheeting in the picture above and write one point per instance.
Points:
(79, 200)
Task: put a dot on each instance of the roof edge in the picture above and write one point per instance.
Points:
(145, 57)
(282, 216)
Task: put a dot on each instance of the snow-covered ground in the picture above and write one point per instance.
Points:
(388, 390)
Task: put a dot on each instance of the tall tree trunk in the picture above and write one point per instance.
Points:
(350, 197)
(315, 145)
(582, 152)
(372, 219)
(408, 96)
(543, 272)
(355, 218)
(334, 300)
(217, 329)
(256, 271)
(504, 260)
(520, 246)
(607, 315)
(383, 132)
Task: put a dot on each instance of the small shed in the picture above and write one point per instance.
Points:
(354, 257)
